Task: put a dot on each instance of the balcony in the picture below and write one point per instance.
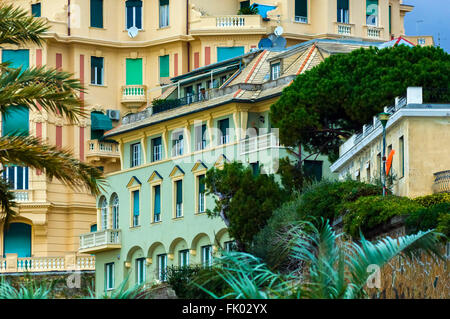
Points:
(259, 143)
(165, 105)
(98, 151)
(228, 24)
(374, 32)
(23, 195)
(100, 241)
(441, 182)
(343, 29)
(134, 96)
(13, 264)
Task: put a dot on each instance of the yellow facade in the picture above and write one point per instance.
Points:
(196, 29)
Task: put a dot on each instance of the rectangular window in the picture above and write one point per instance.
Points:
(207, 256)
(368, 172)
(135, 208)
(162, 267)
(184, 258)
(255, 168)
(134, 72)
(224, 125)
(179, 198)
(245, 4)
(163, 13)
(225, 53)
(97, 13)
(379, 164)
(313, 169)
(140, 271)
(164, 70)
(372, 12)
(135, 154)
(133, 14)
(177, 144)
(16, 121)
(36, 10)
(401, 157)
(109, 276)
(342, 11)
(275, 71)
(200, 137)
(16, 177)
(156, 149)
(301, 11)
(157, 203)
(97, 70)
(201, 194)
(230, 245)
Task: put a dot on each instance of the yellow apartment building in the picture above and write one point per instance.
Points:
(125, 52)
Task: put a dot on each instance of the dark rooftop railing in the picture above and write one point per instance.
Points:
(169, 104)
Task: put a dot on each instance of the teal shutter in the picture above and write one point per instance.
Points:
(390, 19)
(313, 169)
(372, 7)
(134, 71)
(17, 240)
(163, 2)
(100, 121)
(342, 4)
(164, 70)
(136, 203)
(36, 10)
(301, 8)
(157, 204)
(93, 228)
(97, 13)
(179, 186)
(16, 58)
(225, 53)
(201, 184)
(16, 121)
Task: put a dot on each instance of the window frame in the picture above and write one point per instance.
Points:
(178, 207)
(272, 73)
(140, 270)
(134, 16)
(206, 262)
(102, 15)
(109, 268)
(165, 8)
(343, 14)
(135, 156)
(186, 258)
(162, 276)
(37, 5)
(94, 81)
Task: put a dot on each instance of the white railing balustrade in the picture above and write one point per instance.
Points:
(374, 33)
(301, 19)
(21, 195)
(97, 148)
(259, 143)
(344, 29)
(230, 21)
(100, 238)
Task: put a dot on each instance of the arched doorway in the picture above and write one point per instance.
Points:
(17, 240)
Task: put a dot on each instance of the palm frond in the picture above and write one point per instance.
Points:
(6, 202)
(29, 151)
(55, 91)
(18, 27)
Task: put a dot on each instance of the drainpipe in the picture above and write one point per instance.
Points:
(188, 45)
(68, 18)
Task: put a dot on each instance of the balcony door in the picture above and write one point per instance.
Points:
(17, 240)
(134, 72)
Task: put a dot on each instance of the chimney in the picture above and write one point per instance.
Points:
(414, 95)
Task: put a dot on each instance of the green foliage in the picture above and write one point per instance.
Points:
(248, 10)
(369, 212)
(335, 269)
(124, 292)
(28, 290)
(292, 175)
(435, 216)
(333, 100)
(185, 281)
(243, 200)
(433, 199)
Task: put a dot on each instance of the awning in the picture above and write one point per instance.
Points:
(100, 121)
(263, 9)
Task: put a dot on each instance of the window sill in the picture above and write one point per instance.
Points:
(97, 28)
(98, 85)
(140, 30)
(156, 223)
(135, 227)
(164, 27)
(178, 218)
(200, 213)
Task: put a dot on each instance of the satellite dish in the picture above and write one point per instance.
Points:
(133, 31)
(278, 31)
(279, 42)
(265, 43)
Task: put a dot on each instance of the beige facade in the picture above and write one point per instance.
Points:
(417, 133)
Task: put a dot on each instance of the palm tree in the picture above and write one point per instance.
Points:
(43, 90)
(331, 268)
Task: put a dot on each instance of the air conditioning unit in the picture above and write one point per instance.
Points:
(113, 114)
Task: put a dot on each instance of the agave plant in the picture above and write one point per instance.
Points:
(332, 267)
(31, 290)
(122, 292)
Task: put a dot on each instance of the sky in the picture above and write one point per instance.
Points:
(430, 17)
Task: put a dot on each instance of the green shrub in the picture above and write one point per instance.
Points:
(433, 217)
(369, 212)
(430, 200)
(444, 224)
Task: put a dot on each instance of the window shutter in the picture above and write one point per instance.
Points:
(157, 204)
(164, 70)
(36, 10)
(301, 8)
(16, 121)
(313, 169)
(163, 2)
(134, 3)
(179, 186)
(372, 7)
(201, 184)
(97, 13)
(133, 71)
(342, 4)
(136, 203)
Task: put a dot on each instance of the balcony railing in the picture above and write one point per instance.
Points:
(12, 264)
(134, 96)
(230, 21)
(100, 241)
(227, 23)
(23, 195)
(301, 19)
(373, 32)
(441, 182)
(344, 29)
(101, 149)
(259, 143)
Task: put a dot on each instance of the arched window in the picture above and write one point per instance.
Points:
(104, 214)
(115, 211)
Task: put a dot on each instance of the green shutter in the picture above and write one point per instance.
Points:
(136, 203)
(134, 72)
(301, 8)
(157, 203)
(97, 13)
(36, 10)
(225, 53)
(16, 121)
(164, 70)
(163, 2)
(16, 58)
(100, 121)
(201, 184)
(390, 19)
(179, 186)
(372, 7)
